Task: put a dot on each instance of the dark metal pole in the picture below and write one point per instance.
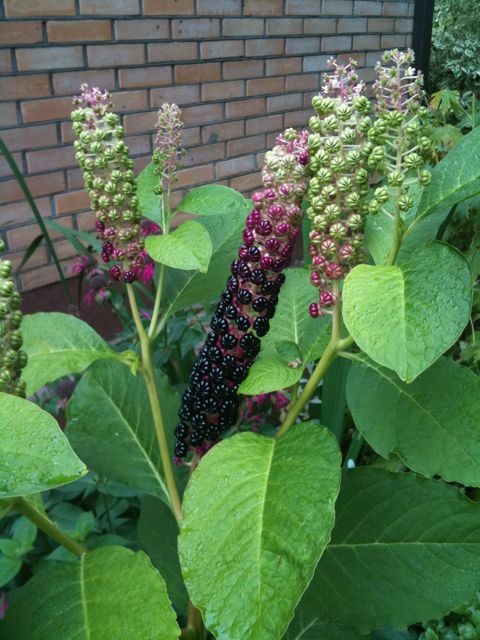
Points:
(422, 34)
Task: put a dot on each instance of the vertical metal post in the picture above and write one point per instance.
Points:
(422, 34)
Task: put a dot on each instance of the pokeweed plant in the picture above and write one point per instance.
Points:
(273, 539)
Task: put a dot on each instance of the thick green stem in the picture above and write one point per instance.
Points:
(156, 307)
(148, 372)
(44, 523)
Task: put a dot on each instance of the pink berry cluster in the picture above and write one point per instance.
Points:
(342, 159)
(110, 182)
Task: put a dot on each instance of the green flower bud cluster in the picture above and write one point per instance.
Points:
(12, 358)
(110, 182)
(399, 127)
(462, 624)
(342, 158)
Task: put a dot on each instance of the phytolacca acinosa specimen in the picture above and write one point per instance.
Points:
(242, 317)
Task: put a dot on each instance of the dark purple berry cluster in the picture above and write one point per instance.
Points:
(210, 401)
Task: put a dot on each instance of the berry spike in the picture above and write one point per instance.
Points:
(210, 402)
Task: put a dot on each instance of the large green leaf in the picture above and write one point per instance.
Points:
(182, 289)
(431, 424)
(455, 178)
(188, 247)
(404, 550)
(213, 200)
(404, 317)
(310, 628)
(150, 203)
(257, 516)
(58, 344)
(110, 593)
(158, 533)
(110, 424)
(34, 453)
(274, 370)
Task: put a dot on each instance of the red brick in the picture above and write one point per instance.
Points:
(221, 49)
(15, 213)
(265, 85)
(243, 68)
(30, 137)
(109, 7)
(35, 278)
(344, 58)
(129, 100)
(206, 72)
(265, 47)
(139, 145)
(404, 25)
(285, 102)
(37, 59)
(5, 60)
(44, 184)
(234, 166)
(71, 202)
(242, 27)
(202, 114)
(144, 77)
(242, 108)
(264, 124)
(393, 41)
(166, 51)
(263, 7)
(136, 122)
(283, 26)
(50, 159)
(297, 118)
(396, 8)
(307, 98)
(222, 90)
(302, 45)
(226, 131)
(86, 220)
(20, 32)
(185, 94)
(315, 63)
(303, 7)
(191, 137)
(149, 29)
(65, 251)
(365, 42)
(367, 8)
(49, 109)
(302, 81)
(195, 175)
(283, 66)
(78, 30)
(336, 8)
(245, 145)
(337, 43)
(38, 259)
(367, 75)
(8, 114)
(69, 83)
(22, 8)
(216, 8)
(66, 132)
(24, 87)
(204, 153)
(110, 55)
(319, 26)
(246, 183)
(352, 25)
(380, 25)
(169, 8)
(196, 28)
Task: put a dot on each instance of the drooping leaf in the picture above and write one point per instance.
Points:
(188, 247)
(292, 324)
(403, 550)
(58, 344)
(110, 592)
(111, 425)
(431, 423)
(34, 453)
(149, 202)
(158, 533)
(405, 316)
(214, 200)
(280, 495)
(455, 178)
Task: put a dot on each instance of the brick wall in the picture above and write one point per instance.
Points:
(240, 69)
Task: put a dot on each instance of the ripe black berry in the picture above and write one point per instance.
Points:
(243, 323)
(231, 312)
(196, 438)
(180, 449)
(229, 341)
(232, 283)
(215, 354)
(199, 421)
(261, 326)
(203, 388)
(216, 374)
(181, 431)
(244, 296)
(227, 295)
(258, 276)
(260, 303)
